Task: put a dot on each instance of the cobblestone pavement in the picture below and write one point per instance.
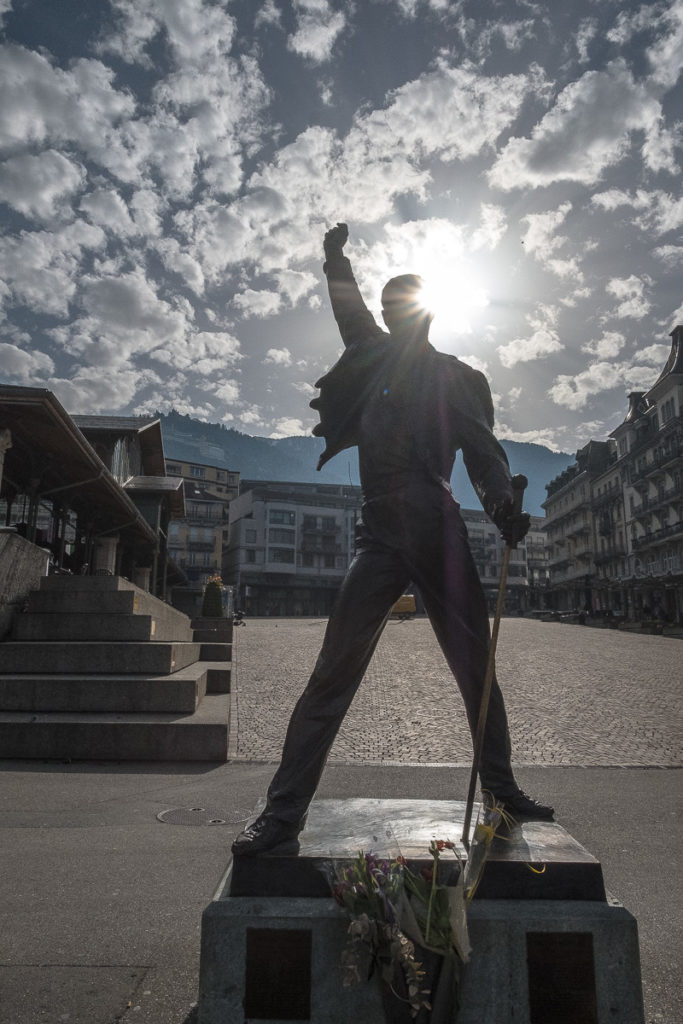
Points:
(575, 695)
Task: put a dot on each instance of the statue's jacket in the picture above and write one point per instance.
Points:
(448, 403)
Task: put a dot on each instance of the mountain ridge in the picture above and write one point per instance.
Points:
(294, 459)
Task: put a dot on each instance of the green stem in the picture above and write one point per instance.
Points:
(431, 902)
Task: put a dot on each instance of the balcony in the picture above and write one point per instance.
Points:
(318, 545)
(658, 463)
(322, 531)
(602, 557)
(201, 545)
(577, 529)
(608, 497)
(657, 536)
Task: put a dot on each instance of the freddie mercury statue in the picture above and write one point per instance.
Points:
(409, 409)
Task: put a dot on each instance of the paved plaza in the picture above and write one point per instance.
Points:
(575, 695)
(102, 901)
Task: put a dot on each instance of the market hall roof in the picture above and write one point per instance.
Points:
(51, 459)
(172, 486)
(146, 428)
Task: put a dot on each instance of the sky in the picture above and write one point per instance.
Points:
(168, 169)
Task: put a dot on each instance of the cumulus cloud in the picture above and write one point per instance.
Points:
(630, 291)
(588, 130)
(278, 356)
(543, 340)
(671, 255)
(295, 285)
(24, 367)
(305, 388)
(318, 27)
(288, 427)
(106, 208)
(575, 391)
(656, 354)
(268, 14)
(548, 436)
(493, 227)
(665, 55)
(542, 241)
(40, 186)
(260, 304)
(228, 391)
(657, 210)
(585, 34)
(89, 390)
(181, 262)
(40, 268)
(448, 113)
(605, 347)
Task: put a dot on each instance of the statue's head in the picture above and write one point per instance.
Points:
(403, 308)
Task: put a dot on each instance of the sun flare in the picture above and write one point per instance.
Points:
(455, 296)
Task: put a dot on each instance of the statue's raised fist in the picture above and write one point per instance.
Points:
(336, 238)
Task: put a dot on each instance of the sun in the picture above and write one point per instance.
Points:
(456, 296)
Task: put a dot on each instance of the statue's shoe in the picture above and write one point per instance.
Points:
(267, 834)
(519, 805)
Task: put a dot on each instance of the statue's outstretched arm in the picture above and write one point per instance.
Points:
(355, 321)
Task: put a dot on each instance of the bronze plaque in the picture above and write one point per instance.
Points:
(561, 973)
(278, 974)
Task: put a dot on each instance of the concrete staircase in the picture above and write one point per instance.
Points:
(98, 669)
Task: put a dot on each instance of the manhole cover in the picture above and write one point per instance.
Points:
(201, 816)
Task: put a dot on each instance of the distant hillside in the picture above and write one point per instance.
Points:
(295, 458)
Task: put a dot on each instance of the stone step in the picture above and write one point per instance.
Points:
(212, 630)
(116, 602)
(93, 625)
(76, 595)
(216, 652)
(202, 736)
(99, 657)
(218, 676)
(179, 693)
(93, 584)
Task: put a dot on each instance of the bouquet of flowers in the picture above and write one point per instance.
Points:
(370, 890)
(398, 913)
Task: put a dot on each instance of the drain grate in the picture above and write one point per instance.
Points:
(201, 816)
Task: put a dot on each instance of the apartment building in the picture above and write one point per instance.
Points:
(527, 571)
(614, 519)
(196, 541)
(290, 545)
(569, 528)
(650, 455)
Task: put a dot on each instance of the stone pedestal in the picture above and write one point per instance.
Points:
(141, 578)
(104, 557)
(548, 946)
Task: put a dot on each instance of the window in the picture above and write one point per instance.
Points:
(329, 523)
(281, 555)
(276, 535)
(329, 561)
(198, 471)
(250, 555)
(277, 515)
(173, 470)
(310, 522)
(250, 536)
(220, 474)
(307, 559)
(668, 410)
